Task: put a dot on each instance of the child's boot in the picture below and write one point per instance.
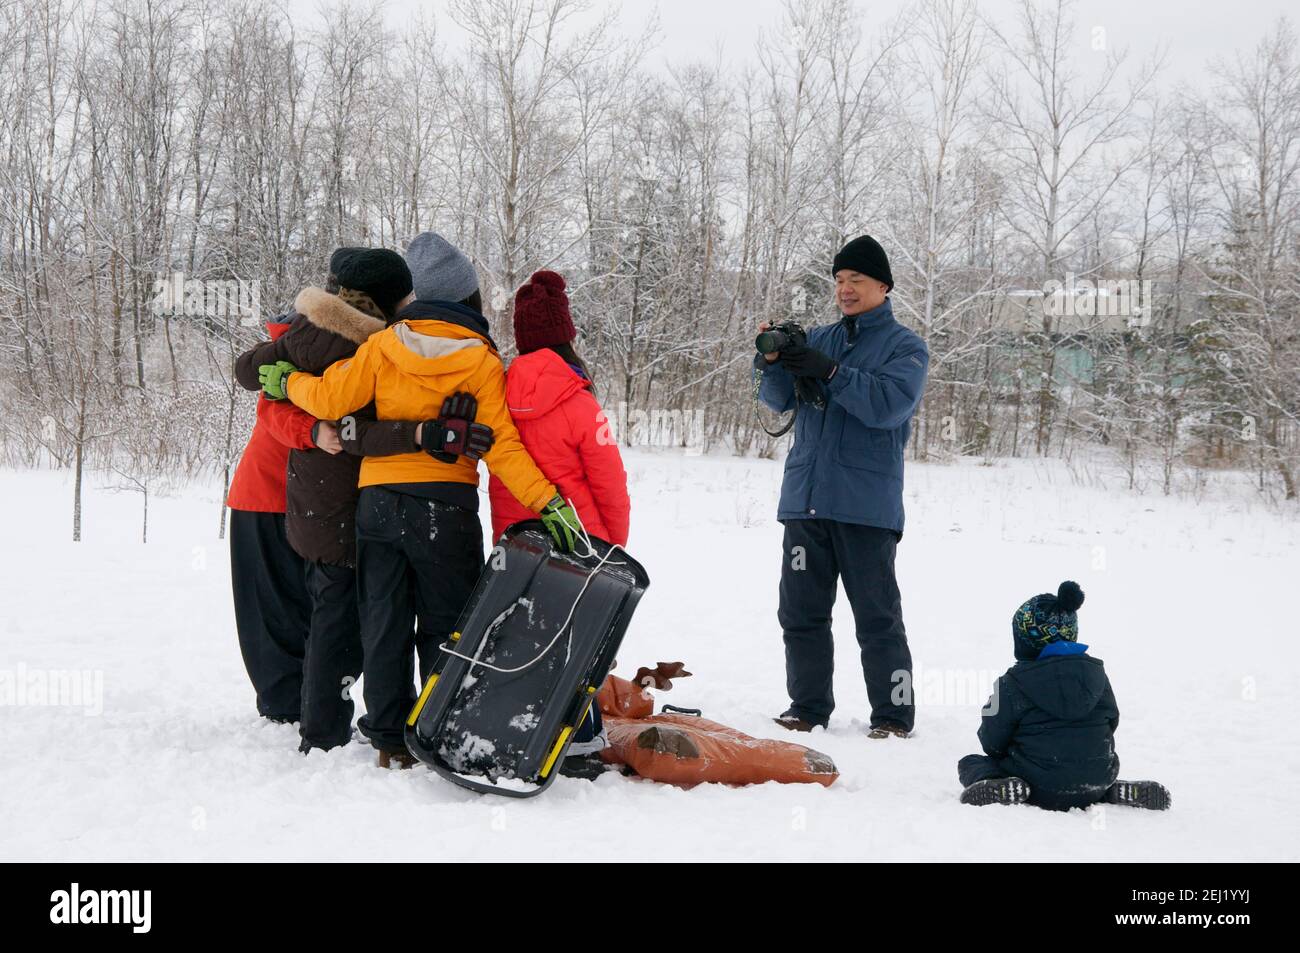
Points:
(401, 760)
(996, 791)
(1148, 794)
(587, 767)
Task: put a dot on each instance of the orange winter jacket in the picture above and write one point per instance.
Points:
(408, 370)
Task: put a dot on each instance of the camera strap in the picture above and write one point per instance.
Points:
(807, 390)
(785, 429)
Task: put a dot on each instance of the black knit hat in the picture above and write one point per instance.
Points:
(864, 255)
(380, 273)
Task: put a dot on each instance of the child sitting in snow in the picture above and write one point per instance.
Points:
(1048, 732)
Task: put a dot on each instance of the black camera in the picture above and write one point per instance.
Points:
(777, 339)
(780, 338)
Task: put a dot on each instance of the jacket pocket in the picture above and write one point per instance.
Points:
(868, 448)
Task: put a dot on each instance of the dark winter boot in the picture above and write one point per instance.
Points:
(306, 747)
(996, 791)
(588, 767)
(1148, 794)
(395, 759)
(792, 722)
(886, 729)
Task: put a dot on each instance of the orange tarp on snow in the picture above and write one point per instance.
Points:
(687, 750)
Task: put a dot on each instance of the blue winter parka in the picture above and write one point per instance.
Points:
(846, 463)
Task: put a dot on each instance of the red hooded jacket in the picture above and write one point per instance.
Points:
(564, 431)
(259, 481)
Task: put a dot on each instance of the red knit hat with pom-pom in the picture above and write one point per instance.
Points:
(542, 313)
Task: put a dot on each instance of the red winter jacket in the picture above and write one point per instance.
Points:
(564, 431)
(259, 481)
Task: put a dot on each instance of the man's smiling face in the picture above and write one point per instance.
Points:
(856, 292)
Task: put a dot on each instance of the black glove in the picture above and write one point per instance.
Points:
(454, 433)
(479, 440)
(804, 361)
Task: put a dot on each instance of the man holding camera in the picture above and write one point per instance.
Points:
(853, 386)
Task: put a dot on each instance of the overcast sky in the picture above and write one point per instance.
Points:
(1193, 30)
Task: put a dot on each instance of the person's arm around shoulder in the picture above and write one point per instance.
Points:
(246, 365)
(346, 385)
(363, 436)
(888, 396)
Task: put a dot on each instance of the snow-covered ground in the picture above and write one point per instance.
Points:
(1190, 603)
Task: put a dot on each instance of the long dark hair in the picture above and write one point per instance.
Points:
(567, 352)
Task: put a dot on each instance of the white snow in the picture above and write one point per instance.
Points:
(1189, 602)
(525, 721)
(466, 750)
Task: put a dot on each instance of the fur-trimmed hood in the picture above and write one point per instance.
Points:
(323, 328)
(339, 313)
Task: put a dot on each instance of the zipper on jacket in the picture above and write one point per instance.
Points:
(812, 484)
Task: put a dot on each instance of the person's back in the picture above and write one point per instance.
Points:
(419, 541)
(1055, 727)
(321, 492)
(271, 602)
(1048, 731)
(550, 399)
(561, 425)
(361, 294)
(408, 371)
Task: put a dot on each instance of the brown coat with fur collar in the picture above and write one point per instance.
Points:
(321, 494)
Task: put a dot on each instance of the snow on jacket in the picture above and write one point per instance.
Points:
(1052, 722)
(258, 485)
(846, 462)
(564, 430)
(431, 352)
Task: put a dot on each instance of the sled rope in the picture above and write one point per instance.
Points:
(581, 530)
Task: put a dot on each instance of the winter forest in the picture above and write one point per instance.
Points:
(1100, 261)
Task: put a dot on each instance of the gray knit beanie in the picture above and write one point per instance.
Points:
(439, 270)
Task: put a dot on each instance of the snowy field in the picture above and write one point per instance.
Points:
(1190, 603)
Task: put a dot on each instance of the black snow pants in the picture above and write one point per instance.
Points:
(414, 556)
(333, 657)
(817, 554)
(979, 767)
(272, 610)
(982, 767)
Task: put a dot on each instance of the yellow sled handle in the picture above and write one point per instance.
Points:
(424, 697)
(428, 690)
(567, 730)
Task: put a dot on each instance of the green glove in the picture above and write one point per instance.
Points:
(272, 378)
(561, 522)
